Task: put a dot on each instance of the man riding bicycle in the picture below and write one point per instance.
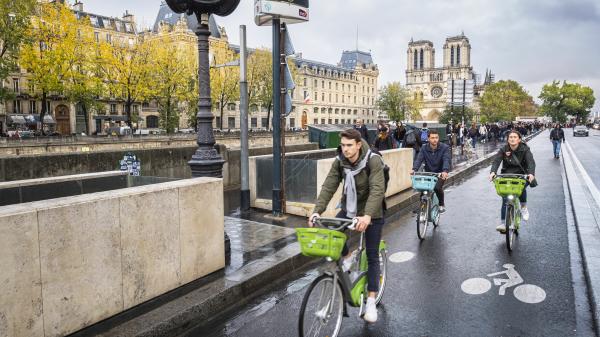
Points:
(516, 158)
(436, 157)
(363, 195)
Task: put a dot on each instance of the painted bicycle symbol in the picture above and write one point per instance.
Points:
(526, 293)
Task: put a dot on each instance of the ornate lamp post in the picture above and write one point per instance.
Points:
(206, 162)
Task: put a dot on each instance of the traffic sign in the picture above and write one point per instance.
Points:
(288, 11)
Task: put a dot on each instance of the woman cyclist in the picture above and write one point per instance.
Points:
(516, 158)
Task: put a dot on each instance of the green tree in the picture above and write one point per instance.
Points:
(395, 100)
(15, 22)
(503, 101)
(224, 81)
(568, 99)
(458, 115)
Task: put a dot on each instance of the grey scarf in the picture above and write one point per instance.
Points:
(350, 186)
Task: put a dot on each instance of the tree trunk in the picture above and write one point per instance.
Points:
(128, 111)
(269, 116)
(221, 121)
(85, 115)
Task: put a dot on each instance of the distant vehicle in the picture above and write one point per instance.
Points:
(189, 130)
(596, 126)
(581, 130)
(119, 131)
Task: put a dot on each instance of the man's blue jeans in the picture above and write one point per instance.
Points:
(556, 145)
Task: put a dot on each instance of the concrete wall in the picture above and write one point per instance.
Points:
(43, 146)
(399, 161)
(163, 162)
(70, 262)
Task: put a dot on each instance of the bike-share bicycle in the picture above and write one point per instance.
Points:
(425, 182)
(511, 186)
(324, 303)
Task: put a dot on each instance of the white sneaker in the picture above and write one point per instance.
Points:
(370, 311)
(525, 213)
(348, 262)
(501, 228)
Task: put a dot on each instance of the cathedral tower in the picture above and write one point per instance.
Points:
(457, 52)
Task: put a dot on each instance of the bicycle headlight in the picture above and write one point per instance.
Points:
(511, 198)
(425, 192)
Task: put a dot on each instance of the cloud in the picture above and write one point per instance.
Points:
(530, 41)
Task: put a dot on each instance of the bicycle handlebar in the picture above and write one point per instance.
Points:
(337, 224)
(510, 175)
(431, 174)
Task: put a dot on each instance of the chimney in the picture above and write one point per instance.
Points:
(128, 17)
(78, 6)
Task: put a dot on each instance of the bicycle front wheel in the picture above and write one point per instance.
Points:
(322, 309)
(423, 219)
(510, 227)
(382, 274)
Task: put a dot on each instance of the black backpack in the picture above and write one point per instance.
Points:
(411, 138)
(386, 171)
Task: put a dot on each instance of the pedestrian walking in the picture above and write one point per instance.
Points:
(557, 135)
(399, 134)
(412, 140)
(362, 129)
(473, 134)
(384, 141)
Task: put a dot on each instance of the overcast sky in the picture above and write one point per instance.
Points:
(530, 41)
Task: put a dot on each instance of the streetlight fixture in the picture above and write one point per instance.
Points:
(206, 162)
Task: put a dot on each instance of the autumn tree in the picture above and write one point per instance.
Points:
(172, 71)
(126, 67)
(51, 36)
(15, 22)
(504, 101)
(224, 80)
(569, 99)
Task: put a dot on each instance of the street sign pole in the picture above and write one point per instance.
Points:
(282, 94)
(463, 100)
(277, 198)
(244, 152)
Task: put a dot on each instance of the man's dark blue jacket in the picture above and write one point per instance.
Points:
(437, 160)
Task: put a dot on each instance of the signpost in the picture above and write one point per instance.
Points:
(278, 13)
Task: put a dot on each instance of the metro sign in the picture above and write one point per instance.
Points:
(288, 11)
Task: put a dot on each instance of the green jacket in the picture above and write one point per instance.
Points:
(370, 187)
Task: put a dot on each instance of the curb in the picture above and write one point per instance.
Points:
(204, 304)
(588, 234)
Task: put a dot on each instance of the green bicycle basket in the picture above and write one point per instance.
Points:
(321, 242)
(509, 186)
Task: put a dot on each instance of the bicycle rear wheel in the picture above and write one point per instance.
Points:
(423, 219)
(321, 312)
(510, 227)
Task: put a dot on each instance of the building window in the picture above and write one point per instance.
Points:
(264, 122)
(323, 96)
(415, 58)
(253, 122)
(305, 82)
(17, 106)
(337, 121)
(136, 108)
(330, 121)
(343, 111)
(231, 122)
(342, 98)
(330, 97)
(108, 38)
(254, 108)
(329, 85)
(316, 121)
(421, 59)
(322, 120)
(231, 106)
(32, 107)
(316, 96)
(16, 85)
(152, 122)
(218, 122)
(323, 84)
(316, 110)
(337, 111)
(337, 86)
(97, 36)
(336, 98)
(452, 56)
(48, 107)
(305, 94)
(457, 55)
(292, 122)
(316, 83)
(113, 108)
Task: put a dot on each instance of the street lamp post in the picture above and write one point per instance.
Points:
(206, 162)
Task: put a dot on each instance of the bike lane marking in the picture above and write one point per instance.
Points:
(400, 257)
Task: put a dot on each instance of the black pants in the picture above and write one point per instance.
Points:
(372, 238)
(439, 190)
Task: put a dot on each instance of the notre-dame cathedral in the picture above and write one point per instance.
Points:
(429, 83)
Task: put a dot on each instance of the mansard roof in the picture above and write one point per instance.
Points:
(167, 15)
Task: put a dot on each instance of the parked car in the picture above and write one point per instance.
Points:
(581, 130)
(596, 126)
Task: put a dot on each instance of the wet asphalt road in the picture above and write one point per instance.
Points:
(424, 295)
(587, 150)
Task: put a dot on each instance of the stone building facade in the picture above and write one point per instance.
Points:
(429, 83)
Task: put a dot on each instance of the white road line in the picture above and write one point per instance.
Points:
(590, 184)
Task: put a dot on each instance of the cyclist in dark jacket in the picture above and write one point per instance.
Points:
(436, 157)
(516, 158)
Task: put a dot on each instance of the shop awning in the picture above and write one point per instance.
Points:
(116, 118)
(16, 119)
(34, 119)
